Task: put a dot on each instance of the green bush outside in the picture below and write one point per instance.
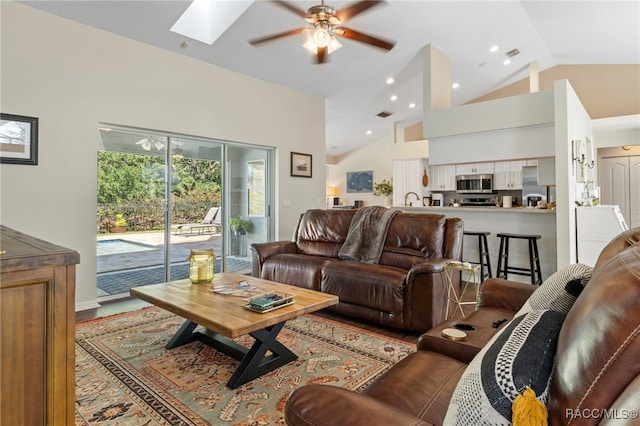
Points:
(134, 186)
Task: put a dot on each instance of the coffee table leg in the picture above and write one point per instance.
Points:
(254, 364)
(183, 336)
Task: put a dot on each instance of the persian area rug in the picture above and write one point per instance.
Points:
(125, 376)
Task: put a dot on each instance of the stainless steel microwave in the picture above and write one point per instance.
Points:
(474, 184)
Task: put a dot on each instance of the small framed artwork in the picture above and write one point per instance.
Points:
(301, 164)
(360, 181)
(18, 139)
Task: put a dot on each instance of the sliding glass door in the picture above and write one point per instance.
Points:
(175, 194)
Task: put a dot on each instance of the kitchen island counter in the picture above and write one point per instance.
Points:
(517, 220)
(449, 209)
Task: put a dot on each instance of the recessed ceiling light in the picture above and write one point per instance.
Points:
(412, 105)
(390, 80)
(394, 97)
(369, 132)
(506, 62)
(455, 85)
(494, 49)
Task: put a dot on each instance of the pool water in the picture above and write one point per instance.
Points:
(118, 246)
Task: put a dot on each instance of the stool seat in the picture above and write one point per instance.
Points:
(483, 253)
(476, 233)
(534, 258)
(522, 236)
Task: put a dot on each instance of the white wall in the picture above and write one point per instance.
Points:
(531, 109)
(616, 131)
(72, 77)
(571, 123)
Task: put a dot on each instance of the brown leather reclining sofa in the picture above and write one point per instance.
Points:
(596, 378)
(403, 290)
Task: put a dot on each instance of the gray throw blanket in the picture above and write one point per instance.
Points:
(367, 233)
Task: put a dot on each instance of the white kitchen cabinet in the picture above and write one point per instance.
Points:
(443, 178)
(407, 177)
(508, 174)
(546, 171)
(474, 168)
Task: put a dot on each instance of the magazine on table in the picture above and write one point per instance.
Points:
(239, 288)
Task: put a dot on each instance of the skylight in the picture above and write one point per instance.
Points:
(207, 20)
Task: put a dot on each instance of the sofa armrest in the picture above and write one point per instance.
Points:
(483, 323)
(425, 294)
(429, 266)
(330, 405)
(504, 294)
(262, 251)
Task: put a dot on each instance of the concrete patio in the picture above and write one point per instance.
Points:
(144, 264)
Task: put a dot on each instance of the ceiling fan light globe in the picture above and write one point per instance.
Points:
(310, 46)
(321, 37)
(334, 45)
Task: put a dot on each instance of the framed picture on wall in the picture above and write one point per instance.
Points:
(301, 164)
(360, 181)
(18, 139)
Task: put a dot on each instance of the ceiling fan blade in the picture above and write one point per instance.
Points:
(363, 38)
(321, 55)
(278, 35)
(301, 13)
(356, 8)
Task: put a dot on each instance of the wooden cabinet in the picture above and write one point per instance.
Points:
(474, 168)
(37, 331)
(443, 178)
(508, 174)
(407, 177)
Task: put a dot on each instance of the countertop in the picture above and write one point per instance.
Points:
(521, 210)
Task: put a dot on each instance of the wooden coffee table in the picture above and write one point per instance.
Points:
(223, 318)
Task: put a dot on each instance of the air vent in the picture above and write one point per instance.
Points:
(512, 53)
(383, 114)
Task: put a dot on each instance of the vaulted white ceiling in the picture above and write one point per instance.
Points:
(353, 80)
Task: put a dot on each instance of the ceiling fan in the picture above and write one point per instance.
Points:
(326, 23)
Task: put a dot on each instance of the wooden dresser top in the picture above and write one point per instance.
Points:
(20, 251)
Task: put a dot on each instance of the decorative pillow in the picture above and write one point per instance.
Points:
(520, 357)
(560, 290)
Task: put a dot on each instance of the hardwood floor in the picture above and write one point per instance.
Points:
(130, 303)
(111, 308)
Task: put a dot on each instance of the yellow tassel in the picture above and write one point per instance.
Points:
(528, 411)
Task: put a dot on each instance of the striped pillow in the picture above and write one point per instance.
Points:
(521, 356)
(560, 290)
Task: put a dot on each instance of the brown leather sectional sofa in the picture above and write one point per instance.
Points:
(403, 290)
(596, 378)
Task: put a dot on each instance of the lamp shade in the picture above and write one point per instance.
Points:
(332, 191)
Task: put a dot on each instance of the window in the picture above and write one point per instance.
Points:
(256, 204)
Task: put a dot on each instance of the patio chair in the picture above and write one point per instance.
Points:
(209, 223)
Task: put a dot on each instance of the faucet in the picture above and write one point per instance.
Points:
(407, 194)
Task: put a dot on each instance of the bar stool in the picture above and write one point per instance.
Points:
(483, 254)
(534, 259)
